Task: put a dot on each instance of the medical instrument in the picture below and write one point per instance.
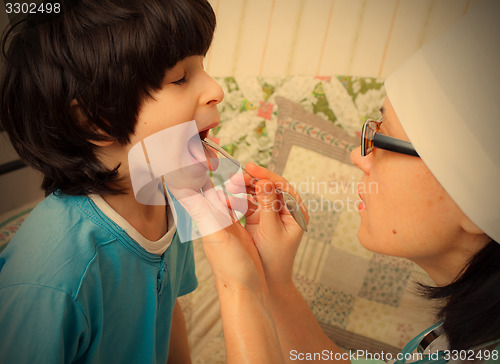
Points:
(290, 202)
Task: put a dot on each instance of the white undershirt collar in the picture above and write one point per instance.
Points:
(155, 247)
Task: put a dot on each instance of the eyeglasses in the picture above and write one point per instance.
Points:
(371, 138)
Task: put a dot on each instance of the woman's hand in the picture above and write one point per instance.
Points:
(229, 247)
(273, 229)
(262, 253)
(235, 260)
(249, 329)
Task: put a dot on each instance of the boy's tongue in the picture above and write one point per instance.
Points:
(203, 154)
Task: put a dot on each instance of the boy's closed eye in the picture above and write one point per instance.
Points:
(176, 75)
(181, 80)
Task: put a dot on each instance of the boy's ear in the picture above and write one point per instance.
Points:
(77, 112)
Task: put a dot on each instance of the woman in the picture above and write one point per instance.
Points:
(434, 158)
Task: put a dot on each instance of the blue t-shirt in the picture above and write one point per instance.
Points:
(74, 287)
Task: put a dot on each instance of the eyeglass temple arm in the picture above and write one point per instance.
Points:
(395, 145)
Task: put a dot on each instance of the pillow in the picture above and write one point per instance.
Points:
(362, 300)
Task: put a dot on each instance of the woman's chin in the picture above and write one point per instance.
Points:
(368, 242)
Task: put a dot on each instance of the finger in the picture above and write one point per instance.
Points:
(279, 182)
(245, 204)
(228, 208)
(252, 205)
(243, 179)
(269, 206)
(236, 188)
(209, 217)
(263, 173)
(206, 209)
(211, 194)
(252, 216)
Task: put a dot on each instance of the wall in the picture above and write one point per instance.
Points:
(324, 37)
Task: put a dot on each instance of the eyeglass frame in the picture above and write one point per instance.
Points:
(383, 141)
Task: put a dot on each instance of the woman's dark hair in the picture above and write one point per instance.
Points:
(105, 57)
(472, 304)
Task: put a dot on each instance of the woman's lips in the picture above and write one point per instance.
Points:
(361, 204)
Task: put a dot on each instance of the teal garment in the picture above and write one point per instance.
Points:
(75, 288)
(436, 358)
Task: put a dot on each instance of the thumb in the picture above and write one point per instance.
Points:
(270, 206)
(209, 214)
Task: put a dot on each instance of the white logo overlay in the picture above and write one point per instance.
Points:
(204, 193)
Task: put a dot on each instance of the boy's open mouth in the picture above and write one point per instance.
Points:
(203, 134)
(202, 154)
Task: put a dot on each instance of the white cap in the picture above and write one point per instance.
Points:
(447, 98)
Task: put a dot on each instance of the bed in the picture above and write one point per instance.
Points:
(305, 128)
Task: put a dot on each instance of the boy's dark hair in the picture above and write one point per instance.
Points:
(472, 302)
(106, 57)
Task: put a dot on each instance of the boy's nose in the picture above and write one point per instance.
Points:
(213, 94)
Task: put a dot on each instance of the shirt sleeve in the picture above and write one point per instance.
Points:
(189, 281)
(40, 325)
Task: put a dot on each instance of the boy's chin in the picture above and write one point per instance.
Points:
(190, 181)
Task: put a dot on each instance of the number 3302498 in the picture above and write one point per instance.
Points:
(32, 8)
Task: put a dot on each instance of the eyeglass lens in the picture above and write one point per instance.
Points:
(370, 128)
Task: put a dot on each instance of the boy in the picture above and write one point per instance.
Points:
(93, 276)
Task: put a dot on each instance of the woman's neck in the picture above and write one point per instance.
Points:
(446, 267)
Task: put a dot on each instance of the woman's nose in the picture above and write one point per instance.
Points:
(359, 161)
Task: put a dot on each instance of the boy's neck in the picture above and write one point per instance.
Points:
(150, 221)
